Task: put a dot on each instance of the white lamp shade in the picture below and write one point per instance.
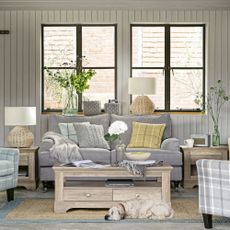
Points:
(142, 85)
(20, 116)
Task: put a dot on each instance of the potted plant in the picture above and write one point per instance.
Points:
(215, 100)
(73, 80)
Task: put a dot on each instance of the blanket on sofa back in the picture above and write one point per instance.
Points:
(64, 150)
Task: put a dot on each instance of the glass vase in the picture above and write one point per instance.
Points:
(120, 151)
(70, 100)
(216, 136)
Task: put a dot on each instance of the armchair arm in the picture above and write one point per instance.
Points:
(172, 144)
(214, 187)
(10, 154)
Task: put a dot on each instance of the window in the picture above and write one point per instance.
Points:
(175, 56)
(63, 43)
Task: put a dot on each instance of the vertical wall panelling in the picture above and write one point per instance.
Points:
(37, 74)
(25, 59)
(19, 56)
(13, 59)
(20, 61)
(2, 70)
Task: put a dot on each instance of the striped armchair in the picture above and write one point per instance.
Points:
(214, 189)
(9, 159)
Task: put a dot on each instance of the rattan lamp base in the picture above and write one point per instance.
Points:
(20, 136)
(142, 105)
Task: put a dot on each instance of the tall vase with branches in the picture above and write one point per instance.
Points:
(215, 100)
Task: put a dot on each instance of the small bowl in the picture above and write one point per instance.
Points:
(137, 156)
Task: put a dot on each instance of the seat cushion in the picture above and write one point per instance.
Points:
(6, 168)
(173, 158)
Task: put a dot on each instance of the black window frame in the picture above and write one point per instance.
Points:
(78, 52)
(167, 69)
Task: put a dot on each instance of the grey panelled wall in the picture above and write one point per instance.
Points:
(20, 51)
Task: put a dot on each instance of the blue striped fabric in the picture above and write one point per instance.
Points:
(9, 159)
(214, 187)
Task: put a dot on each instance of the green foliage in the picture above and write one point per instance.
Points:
(111, 138)
(215, 100)
(72, 75)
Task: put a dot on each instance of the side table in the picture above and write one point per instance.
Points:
(191, 155)
(28, 169)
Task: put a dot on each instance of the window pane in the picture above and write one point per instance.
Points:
(148, 46)
(98, 46)
(101, 86)
(187, 46)
(159, 97)
(52, 93)
(59, 45)
(186, 89)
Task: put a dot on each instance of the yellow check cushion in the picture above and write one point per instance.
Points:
(146, 135)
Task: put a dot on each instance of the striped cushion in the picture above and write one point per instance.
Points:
(91, 136)
(146, 135)
(68, 130)
(6, 168)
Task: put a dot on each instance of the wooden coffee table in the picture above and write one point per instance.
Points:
(86, 193)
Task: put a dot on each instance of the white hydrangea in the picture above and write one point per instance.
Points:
(117, 127)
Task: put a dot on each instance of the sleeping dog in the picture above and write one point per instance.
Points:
(140, 209)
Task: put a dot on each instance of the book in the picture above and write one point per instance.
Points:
(119, 183)
(86, 164)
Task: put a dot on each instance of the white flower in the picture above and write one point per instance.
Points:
(117, 127)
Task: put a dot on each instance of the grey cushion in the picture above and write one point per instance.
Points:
(68, 130)
(6, 168)
(54, 120)
(173, 158)
(152, 119)
(172, 144)
(91, 136)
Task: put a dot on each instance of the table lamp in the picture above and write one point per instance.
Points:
(20, 117)
(142, 86)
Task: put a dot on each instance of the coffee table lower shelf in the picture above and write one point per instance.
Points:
(94, 194)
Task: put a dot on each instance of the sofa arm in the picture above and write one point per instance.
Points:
(172, 144)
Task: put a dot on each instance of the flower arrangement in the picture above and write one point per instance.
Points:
(115, 130)
(72, 77)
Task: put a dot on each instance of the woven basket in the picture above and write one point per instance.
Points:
(142, 105)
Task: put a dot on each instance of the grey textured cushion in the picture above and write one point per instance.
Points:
(91, 136)
(68, 130)
(54, 120)
(152, 119)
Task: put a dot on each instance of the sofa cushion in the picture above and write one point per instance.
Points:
(146, 135)
(68, 130)
(152, 119)
(96, 154)
(173, 158)
(90, 136)
(6, 168)
(54, 120)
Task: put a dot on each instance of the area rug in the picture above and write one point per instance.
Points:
(41, 210)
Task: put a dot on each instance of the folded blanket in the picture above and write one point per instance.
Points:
(137, 169)
(64, 150)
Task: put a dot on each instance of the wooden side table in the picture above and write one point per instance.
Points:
(28, 168)
(191, 155)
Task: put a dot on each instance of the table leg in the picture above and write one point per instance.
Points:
(166, 189)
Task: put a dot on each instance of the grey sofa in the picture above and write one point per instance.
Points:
(169, 151)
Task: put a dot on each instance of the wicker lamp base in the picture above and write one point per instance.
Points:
(142, 105)
(20, 136)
